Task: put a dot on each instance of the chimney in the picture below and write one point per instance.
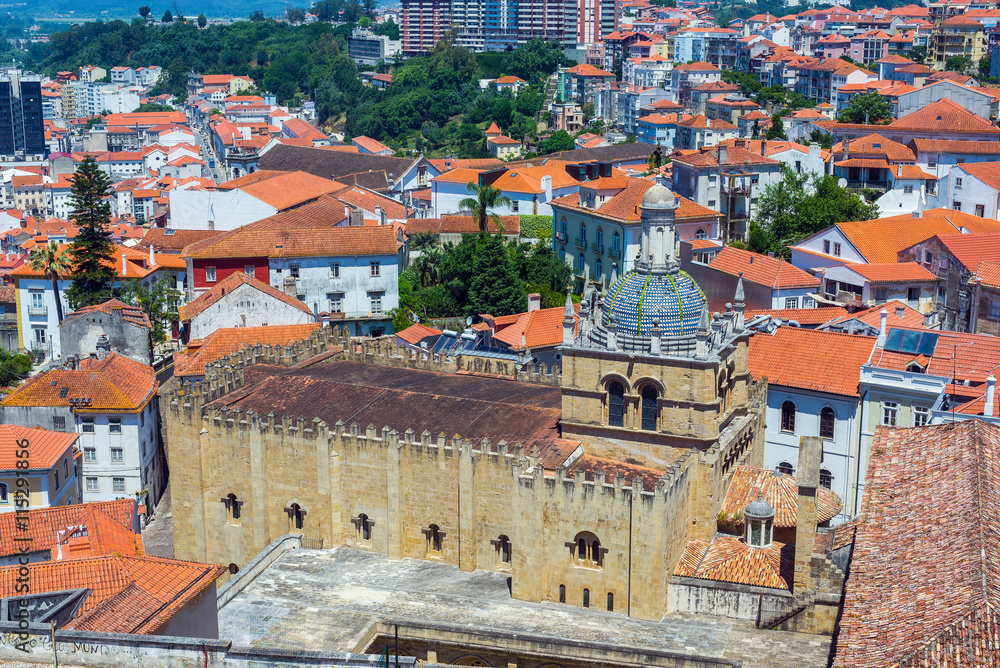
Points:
(990, 407)
(124, 265)
(534, 302)
(152, 257)
(814, 150)
(722, 154)
(289, 286)
(763, 147)
(899, 170)
(900, 311)
(378, 214)
(883, 316)
(807, 477)
(547, 187)
(847, 149)
(918, 214)
(357, 218)
(324, 319)
(569, 322)
(103, 347)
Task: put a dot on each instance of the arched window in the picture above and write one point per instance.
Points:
(364, 527)
(785, 468)
(434, 538)
(233, 569)
(788, 417)
(233, 506)
(586, 598)
(581, 262)
(615, 241)
(296, 515)
(600, 268)
(649, 397)
(562, 229)
(588, 550)
(611, 602)
(503, 551)
(583, 233)
(825, 478)
(562, 593)
(616, 404)
(600, 236)
(700, 234)
(827, 419)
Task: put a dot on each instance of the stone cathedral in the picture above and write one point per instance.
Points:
(584, 483)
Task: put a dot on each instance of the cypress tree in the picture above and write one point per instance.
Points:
(495, 287)
(92, 252)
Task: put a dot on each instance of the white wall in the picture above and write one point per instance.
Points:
(246, 306)
(354, 283)
(970, 193)
(193, 209)
(139, 442)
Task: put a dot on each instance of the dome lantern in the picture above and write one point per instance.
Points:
(758, 523)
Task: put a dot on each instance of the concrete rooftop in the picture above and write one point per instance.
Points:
(329, 599)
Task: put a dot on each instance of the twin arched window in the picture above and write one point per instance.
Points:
(616, 404)
(785, 468)
(504, 551)
(588, 550)
(700, 234)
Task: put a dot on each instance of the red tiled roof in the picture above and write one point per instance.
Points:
(45, 447)
(803, 316)
(450, 224)
(227, 285)
(875, 145)
(902, 272)
(130, 314)
(624, 206)
(107, 528)
(800, 358)
(115, 384)
(779, 490)
(920, 597)
(586, 70)
(370, 145)
(761, 269)
(988, 273)
(417, 332)
(128, 594)
(972, 249)
(946, 116)
(226, 341)
(728, 559)
(368, 200)
(735, 156)
(541, 329)
(589, 465)
(306, 231)
(899, 315)
(283, 190)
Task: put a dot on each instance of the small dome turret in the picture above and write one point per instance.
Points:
(758, 522)
(659, 197)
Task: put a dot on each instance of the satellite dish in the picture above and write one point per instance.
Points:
(468, 321)
(842, 182)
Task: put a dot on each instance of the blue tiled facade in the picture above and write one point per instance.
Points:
(637, 299)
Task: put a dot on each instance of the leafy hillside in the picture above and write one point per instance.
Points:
(110, 9)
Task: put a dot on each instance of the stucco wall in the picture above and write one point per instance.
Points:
(79, 336)
(246, 306)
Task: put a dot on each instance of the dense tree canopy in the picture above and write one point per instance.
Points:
(800, 205)
(868, 107)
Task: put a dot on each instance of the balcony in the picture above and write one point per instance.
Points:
(597, 248)
(580, 243)
(615, 253)
(561, 236)
(38, 310)
(737, 191)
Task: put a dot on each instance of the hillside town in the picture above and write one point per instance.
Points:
(522, 335)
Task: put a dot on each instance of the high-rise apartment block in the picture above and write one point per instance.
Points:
(22, 130)
(496, 25)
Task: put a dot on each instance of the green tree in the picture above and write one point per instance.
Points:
(495, 286)
(871, 108)
(159, 302)
(423, 240)
(824, 139)
(560, 140)
(428, 267)
(777, 129)
(257, 16)
(917, 54)
(295, 14)
(167, 17)
(485, 198)
(13, 368)
(92, 252)
(50, 260)
(803, 204)
(202, 20)
(147, 107)
(144, 12)
(956, 64)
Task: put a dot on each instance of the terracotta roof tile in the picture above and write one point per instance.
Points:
(902, 272)
(779, 490)
(800, 358)
(45, 447)
(988, 273)
(728, 559)
(415, 333)
(972, 249)
(963, 356)
(226, 341)
(107, 528)
(452, 224)
(761, 269)
(370, 145)
(541, 329)
(284, 190)
(590, 466)
(947, 117)
(915, 597)
(128, 594)
(368, 200)
(172, 240)
(707, 157)
(898, 315)
(876, 145)
(115, 384)
(130, 314)
(803, 316)
(624, 206)
(227, 285)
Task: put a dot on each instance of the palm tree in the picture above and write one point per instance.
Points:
(428, 267)
(486, 197)
(52, 262)
(423, 240)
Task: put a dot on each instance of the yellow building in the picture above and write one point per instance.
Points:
(957, 36)
(49, 477)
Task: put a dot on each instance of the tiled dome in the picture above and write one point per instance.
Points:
(674, 300)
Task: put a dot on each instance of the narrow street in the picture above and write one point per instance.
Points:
(158, 536)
